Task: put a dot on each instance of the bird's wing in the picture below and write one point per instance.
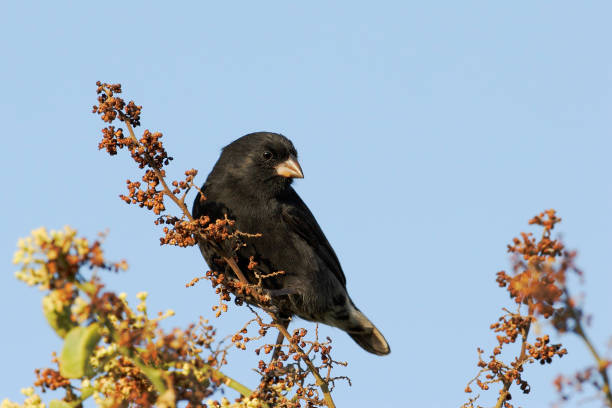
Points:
(301, 221)
(214, 210)
(197, 209)
(209, 206)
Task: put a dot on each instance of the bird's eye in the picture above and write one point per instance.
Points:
(267, 155)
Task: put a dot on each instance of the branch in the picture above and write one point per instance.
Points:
(503, 394)
(179, 202)
(230, 382)
(320, 381)
(601, 363)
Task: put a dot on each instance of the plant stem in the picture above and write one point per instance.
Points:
(230, 382)
(311, 367)
(160, 176)
(601, 363)
(521, 359)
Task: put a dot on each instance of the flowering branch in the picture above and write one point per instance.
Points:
(536, 284)
(112, 352)
(570, 319)
(149, 153)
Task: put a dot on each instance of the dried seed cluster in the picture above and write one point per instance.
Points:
(288, 373)
(537, 283)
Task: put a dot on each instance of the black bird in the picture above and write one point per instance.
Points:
(251, 184)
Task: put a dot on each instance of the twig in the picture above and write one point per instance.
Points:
(311, 367)
(279, 342)
(180, 203)
(236, 269)
(503, 394)
(601, 363)
(230, 382)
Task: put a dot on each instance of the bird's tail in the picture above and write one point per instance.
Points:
(363, 331)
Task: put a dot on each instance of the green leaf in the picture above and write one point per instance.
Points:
(156, 376)
(78, 346)
(58, 320)
(86, 392)
(59, 404)
(87, 287)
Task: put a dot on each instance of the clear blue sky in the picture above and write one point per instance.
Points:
(429, 133)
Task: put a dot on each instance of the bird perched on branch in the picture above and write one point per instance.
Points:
(251, 184)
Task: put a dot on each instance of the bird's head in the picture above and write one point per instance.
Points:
(262, 160)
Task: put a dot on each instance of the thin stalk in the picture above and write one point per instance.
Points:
(230, 382)
(311, 367)
(521, 359)
(601, 363)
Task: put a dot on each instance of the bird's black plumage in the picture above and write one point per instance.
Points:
(251, 184)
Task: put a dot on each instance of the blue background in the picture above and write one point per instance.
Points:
(428, 133)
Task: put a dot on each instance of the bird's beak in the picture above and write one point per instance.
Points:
(290, 168)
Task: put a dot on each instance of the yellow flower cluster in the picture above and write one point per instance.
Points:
(244, 403)
(32, 400)
(34, 252)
